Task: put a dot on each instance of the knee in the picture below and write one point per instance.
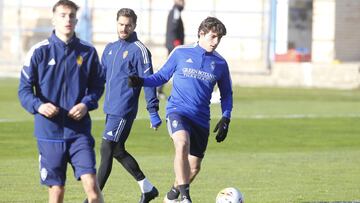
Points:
(195, 169)
(91, 188)
(56, 191)
(120, 153)
(182, 146)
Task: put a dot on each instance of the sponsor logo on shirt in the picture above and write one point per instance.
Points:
(189, 61)
(198, 74)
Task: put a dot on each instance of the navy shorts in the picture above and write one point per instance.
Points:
(54, 156)
(198, 134)
(117, 129)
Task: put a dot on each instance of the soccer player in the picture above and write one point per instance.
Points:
(124, 57)
(60, 82)
(195, 70)
(174, 33)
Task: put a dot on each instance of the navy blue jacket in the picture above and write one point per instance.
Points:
(121, 59)
(195, 72)
(65, 75)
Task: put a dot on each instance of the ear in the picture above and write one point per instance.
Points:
(201, 33)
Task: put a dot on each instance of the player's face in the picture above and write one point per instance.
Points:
(64, 21)
(209, 41)
(125, 27)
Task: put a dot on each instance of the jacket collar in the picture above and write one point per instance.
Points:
(58, 41)
(202, 50)
(131, 38)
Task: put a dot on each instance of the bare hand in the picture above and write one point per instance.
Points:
(78, 111)
(48, 110)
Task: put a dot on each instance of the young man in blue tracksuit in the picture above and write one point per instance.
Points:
(60, 82)
(195, 70)
(124, 57)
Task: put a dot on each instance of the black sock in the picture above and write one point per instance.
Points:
(185, 191)
(173, 193)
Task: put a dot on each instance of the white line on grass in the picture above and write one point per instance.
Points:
(259, 116)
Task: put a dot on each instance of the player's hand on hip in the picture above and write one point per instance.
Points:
(78, 111)
(135, 81)
(48, 110)
(222, 129)
(155, 120)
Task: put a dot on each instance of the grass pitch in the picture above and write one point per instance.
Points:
(283, 146)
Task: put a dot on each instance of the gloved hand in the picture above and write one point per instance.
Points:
(222, 126)
(135, 81)
(155, 120)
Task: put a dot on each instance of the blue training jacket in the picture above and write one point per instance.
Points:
(65, 75)
(121, 59)
(195, 73)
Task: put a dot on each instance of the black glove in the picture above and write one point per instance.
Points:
(222, 126)
(135, 81)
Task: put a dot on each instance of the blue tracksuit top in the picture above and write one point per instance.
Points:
(121, 59)
(195, 73)
(65, 75)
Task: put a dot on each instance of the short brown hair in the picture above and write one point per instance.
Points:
(66, 3)
(127, 12)
(212, 24)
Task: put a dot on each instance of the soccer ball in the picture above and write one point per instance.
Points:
(230, 195)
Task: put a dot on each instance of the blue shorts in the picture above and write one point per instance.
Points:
(55, 154)
(117, 129)
(198, 134)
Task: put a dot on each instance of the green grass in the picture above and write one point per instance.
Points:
(284, 146)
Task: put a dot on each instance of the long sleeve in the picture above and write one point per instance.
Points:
(96, 83)
(226, 93)
(145, 69)
(28, 80)
(164, 74)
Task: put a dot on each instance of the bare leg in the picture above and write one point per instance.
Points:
(181, 141)
(91, 188)
(56, 194)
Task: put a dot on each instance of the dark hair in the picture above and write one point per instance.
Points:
(212, 24)
(66, 3)
(127, 12)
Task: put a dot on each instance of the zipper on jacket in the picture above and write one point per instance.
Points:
(112, 71)
(65, 87)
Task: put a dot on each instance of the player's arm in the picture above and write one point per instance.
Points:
(225, 87)
(96, 82)
(144, 69)
(28, 81)
(157, 79)
(95, 89)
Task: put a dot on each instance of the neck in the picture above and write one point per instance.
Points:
(64, 38)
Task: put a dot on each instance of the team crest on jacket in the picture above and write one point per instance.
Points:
(212, 65)
(125, 53)
(79, 60)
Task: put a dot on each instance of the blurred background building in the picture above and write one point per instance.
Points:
(298, 43)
